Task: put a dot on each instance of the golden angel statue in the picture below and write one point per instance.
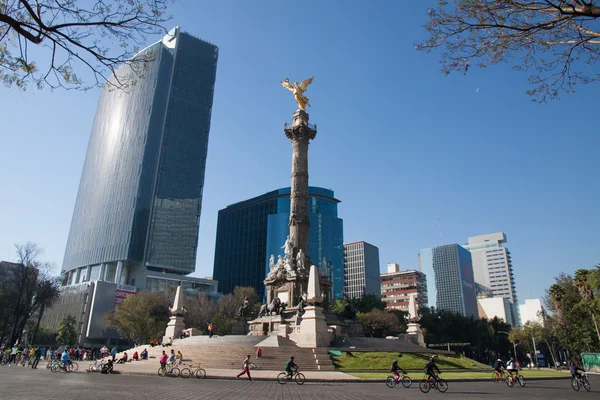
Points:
(298, 91)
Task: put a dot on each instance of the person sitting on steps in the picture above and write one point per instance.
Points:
(123, 359)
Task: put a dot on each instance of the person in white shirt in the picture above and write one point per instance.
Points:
(511, 367)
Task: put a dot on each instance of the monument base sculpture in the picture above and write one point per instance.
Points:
(175, 325)
(415, 334)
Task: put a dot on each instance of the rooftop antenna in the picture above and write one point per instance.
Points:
(441, 236)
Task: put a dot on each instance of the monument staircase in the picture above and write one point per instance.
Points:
(228, 352)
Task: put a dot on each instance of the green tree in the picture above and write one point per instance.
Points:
(44, 42)
(367, 302)
(379, 323)
(583, 282)
(67, 335)
(553, 38)
(140, 318)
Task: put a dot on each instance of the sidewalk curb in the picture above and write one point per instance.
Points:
(357, 380)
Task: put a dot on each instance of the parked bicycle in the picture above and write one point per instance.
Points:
(169, 370)
(391, 381)
(427, 383)
(296, 376)
(193, 370)
(96, 366)
(253, 366)
(510, 381)
(577, 382)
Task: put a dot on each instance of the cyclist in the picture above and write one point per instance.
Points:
(575, 370)
(511, 367)
(179, 357)
(66, 360)
(163, 360)
(395, 368)
(499, 367)
(289, 365)
(172, 357)
(431, 368)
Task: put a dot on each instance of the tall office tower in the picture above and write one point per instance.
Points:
(137, 212)
(139, 199)
(361, 273)
(250, 231)
(450, 284)
(397, 286)
(531, 311)
(492, 267)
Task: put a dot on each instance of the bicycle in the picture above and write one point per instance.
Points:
(252, 366)
(390, 381)
(169, 370)
(577, 382)
(59, 366)
(193, 370)
(427, 383)
(96, 366)
(510, 381)
(284, 377)
(498, 377)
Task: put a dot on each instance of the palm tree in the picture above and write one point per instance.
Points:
(557, 294)
(46, 294)
(582, 283)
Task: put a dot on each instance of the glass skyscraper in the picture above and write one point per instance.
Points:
(139, 200)
(450, 283)
(250, 231)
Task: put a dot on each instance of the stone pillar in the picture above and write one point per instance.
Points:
(299, 133)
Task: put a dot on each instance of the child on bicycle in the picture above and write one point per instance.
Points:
(395, 368)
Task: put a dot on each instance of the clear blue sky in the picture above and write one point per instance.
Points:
(399, 143)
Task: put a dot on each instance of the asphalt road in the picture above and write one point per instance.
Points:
(21, 383)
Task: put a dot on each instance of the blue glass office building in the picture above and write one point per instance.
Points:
(250, 231)
(139, 200)
(450, 283)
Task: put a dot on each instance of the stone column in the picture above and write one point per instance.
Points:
(300, 132)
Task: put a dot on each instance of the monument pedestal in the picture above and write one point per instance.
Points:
(240, 326)
(313, 329)
(415, 334)
(174, 328)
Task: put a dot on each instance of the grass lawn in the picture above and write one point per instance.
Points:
(416, 376)
(383, 360)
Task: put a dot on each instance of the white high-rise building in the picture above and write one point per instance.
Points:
(492, 267)
(531, 311)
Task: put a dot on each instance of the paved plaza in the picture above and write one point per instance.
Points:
(22, 383)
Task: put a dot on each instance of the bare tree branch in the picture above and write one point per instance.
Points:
(550, 37)
(99, 35)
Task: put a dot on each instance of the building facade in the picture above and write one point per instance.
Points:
(532, 311)
(450, 284)
(250, 231)
(137, 211)
(140, 194)
(492, 267)
(492, 307)
(397, 286)
(361, 270)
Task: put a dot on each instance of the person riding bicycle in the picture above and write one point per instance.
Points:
(431, 368)
(575, 370)
(289, 365)
(163, 360)
(395, 368)
(511, 367)
(499, 366)
(66, 360)
(172, 357)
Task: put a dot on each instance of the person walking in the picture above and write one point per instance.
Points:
(37, 353)
(246, 370)
(113, 353)
(211, 329)
(163, 360)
